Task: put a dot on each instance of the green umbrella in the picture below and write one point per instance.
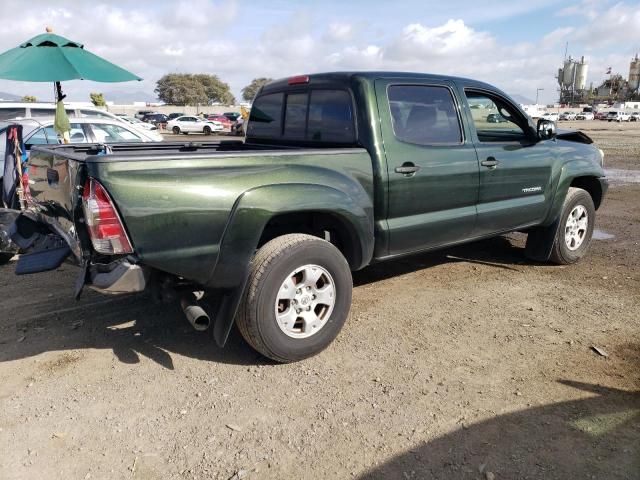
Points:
(52, 58)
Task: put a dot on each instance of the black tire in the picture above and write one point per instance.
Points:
(5, 257)
(561, 253)
(270, 267)
(206, 130)
(176, 130)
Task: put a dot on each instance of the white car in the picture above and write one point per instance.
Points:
(585, 116)
(188, 124)
(550, 116)
(40, 131)
(22, 110)
(567, 116)
(615, 116)
(635, 117)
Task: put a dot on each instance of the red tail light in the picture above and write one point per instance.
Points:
(105, 228)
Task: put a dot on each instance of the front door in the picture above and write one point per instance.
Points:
(432, 167)
(515, 168)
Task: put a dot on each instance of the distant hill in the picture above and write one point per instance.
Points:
(124, 98)
(522, 99)
(9, 97)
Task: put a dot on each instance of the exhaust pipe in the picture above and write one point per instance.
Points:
(196, 315)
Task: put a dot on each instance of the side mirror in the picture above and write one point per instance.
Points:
(546, 129)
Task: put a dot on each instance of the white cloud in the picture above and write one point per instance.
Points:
(224, 38)
(339, 32)
(617, 25)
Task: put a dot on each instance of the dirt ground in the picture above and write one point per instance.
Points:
(468, 363)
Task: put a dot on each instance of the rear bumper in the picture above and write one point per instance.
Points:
(117, 277)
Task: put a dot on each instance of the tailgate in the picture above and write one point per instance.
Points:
(45, 232)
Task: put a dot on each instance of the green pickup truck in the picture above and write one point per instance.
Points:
(337, 171)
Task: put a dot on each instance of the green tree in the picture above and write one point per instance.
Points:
(97, 99)
(29, 99)
(249, 92)
(189, 89)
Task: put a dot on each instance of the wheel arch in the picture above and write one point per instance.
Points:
(266, 212)
(592, 186)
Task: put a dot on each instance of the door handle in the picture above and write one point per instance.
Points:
(407, 169)
(490, 162)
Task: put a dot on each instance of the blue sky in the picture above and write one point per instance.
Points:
(517, 46)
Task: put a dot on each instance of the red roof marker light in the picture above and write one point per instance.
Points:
(298, 79)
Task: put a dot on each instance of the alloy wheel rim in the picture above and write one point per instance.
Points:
(575, 230)
(305, 301)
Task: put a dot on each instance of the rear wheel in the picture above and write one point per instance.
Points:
(176, 130)
(298, 297)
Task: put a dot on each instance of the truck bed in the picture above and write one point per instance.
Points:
(176, 199)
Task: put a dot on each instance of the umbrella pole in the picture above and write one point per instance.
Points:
(59, 98)
(59, 95)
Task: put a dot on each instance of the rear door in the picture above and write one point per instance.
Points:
(432, 166)
(515, 168)
(187, 124)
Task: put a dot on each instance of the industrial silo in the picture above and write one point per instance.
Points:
(568, 73)
(581, 74)
(560, 76)
(634, 74)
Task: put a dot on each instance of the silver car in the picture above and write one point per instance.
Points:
(83, 130)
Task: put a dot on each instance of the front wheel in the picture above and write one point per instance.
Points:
(207, 130)
(575, 229)
(298, 297)
(176, 130)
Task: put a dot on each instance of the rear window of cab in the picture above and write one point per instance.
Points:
(320, 116)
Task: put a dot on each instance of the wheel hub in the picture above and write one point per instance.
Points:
(305, 301)
(576, 227)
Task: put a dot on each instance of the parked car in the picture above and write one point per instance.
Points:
(272, 228)
(20, 110)
(496, 118)
(585, 116)
(155, 118)
(635, 117)
(567, 116)
(551, 116)
(226, 123)
(173, 115)
(600, 115)
(142, 113)
(618, 116)
(233, 116)
(137, 123)
(189, 124)
(83, 130)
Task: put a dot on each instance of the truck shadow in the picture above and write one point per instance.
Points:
(594, 437)
(134, 327)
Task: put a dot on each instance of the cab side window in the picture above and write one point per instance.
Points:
(495, 120)
(424, 115)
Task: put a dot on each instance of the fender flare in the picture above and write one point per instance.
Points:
(568, 173)
(540, 239)
(251, 213)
